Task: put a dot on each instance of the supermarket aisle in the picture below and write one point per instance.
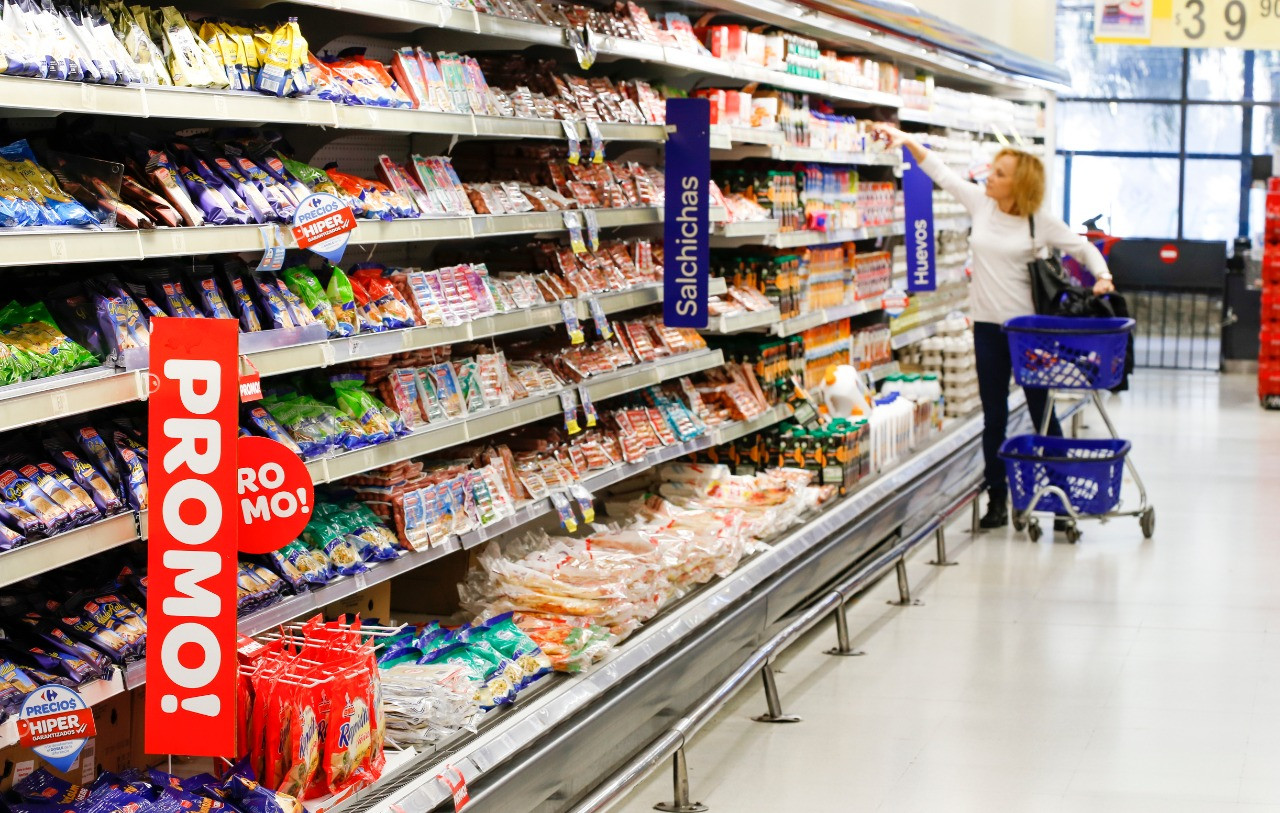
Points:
(1114, 675)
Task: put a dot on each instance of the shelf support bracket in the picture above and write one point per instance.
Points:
(843, 647)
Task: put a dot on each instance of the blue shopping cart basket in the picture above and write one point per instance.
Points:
(1069, 353)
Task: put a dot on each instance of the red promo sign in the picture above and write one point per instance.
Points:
(191, 556)
(1169, 253)
(275, 493)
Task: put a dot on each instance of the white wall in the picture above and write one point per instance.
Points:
(1024, 25)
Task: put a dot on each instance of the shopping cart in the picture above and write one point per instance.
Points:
(1068, 476)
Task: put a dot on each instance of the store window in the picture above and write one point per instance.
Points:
(1162, 141)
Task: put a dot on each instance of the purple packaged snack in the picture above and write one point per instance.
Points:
(220, 204)
(18, 491)
(298, 312)
(79, 512)
(17, 678)
(278, 194)
(70, 485)
(47, 631)
(9, 538)
(97, 451)
(259, 206)
(202, 285)
(125, 799)
(89, 478)
(235, 292)
(15, 516)
(121, 320)
(266, 294)
(73, 310)
(42, 786)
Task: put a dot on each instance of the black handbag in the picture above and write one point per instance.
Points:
(1052, 293)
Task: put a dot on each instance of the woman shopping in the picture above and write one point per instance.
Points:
(1003, 242)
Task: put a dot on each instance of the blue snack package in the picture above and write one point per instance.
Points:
(67, 496)
(42, 786)
(47, 631)
(269, 427)
(221, 206)
(97, 451)
(266, 294)
(203, 285)
(241, 789)
(59, 208)
(260, 208)
(85, 475)
(10, 538)
(19, 492)
(75, 489)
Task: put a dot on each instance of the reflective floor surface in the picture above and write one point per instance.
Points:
(1111, 675)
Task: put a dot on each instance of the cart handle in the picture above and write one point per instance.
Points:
(1097, 331)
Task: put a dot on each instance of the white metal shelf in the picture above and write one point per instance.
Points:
(44, 555)
(493, 421)
(936, 118)
(756, 233)
(133, 674)
(771, 319)
(74, 393)
(570, 695)
(726, 146)
(58, 246)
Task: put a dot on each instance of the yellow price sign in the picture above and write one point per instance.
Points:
(1249, 24)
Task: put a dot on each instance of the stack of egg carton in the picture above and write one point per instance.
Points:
(950, 355)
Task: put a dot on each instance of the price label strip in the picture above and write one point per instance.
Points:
(272, 248)
(600, 318)
(1248, 24)
(584, 47)
(570, 412)
(571, 323)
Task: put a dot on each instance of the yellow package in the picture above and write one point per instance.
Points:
(213, 65)
(137, 43)
(274, 78)
(184, 57)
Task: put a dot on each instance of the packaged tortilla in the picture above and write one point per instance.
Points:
(51, 484)
(360, 405)
(348, 739)
(203, 286)
(84, 475)
(18, 492)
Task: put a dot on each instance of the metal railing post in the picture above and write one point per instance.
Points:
(680, 786)
(843, 646)
(941, 539)
(974, 528)
(904, 587)
(772, 699)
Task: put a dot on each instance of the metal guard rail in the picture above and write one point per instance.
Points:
(671, 742)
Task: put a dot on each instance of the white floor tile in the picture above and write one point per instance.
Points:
(1118, 675)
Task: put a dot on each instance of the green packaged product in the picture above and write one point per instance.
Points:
(304, 285)
(342, 298)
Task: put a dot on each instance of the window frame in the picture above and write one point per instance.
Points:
(1245, 157)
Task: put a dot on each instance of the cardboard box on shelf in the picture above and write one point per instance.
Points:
(371, 603)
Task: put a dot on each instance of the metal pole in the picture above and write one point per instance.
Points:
(941, 539)
(774, 702)
(974, 528)
(843, 647)
(680, 784)
(904, 587)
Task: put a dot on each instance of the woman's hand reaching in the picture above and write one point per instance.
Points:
(1103, 286)
(890, 134)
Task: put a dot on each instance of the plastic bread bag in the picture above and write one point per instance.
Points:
(146, 59)
(266, 295)
(362, 407)
(314, 432)
(384, 297)
(43, 187)
(220, 205)
(17, 46)
(236, 293)
(298, 311)
(85, 475)
(164, 174)
(64, 64)
(342, 300)
(79, 511)
(186, 53)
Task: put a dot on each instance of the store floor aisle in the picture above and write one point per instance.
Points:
(1114, 675)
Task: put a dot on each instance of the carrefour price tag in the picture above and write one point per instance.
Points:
(600, 318)
(561, 504)
(586, 502)
(588, 407)
(573, 223)
(575, 144)
(597, 142)
(570, 412)
(593, 228)
(571, 323)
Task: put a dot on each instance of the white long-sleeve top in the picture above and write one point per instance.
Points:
(1002, 247)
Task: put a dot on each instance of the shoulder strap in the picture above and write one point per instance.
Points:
(1031, 220)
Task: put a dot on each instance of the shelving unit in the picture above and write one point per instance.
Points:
(528, 753)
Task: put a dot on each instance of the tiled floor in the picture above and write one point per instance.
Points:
(1115, 675)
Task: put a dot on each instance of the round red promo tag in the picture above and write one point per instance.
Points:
(276, 495)
(894, 301)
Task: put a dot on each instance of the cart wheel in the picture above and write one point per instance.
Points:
(1148, 523)
(1018, 522)
(1033, 530)
(1074, 533)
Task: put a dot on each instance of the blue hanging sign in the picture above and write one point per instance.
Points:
(686, 247)
(917, 196)
(55, 723)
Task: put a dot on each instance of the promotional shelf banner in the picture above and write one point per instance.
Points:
(685, 228)
(917, 196)
(191, 553)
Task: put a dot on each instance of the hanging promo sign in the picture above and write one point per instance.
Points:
(275, 493)
(323, 223)
(191, 553)
(1248, 24)
(685, 230)
(917, 196)
(55, 723)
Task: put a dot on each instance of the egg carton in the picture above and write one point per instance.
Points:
(959, 409)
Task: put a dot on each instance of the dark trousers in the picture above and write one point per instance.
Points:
(994, 369)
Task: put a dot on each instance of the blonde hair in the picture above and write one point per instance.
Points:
(1028, 181)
